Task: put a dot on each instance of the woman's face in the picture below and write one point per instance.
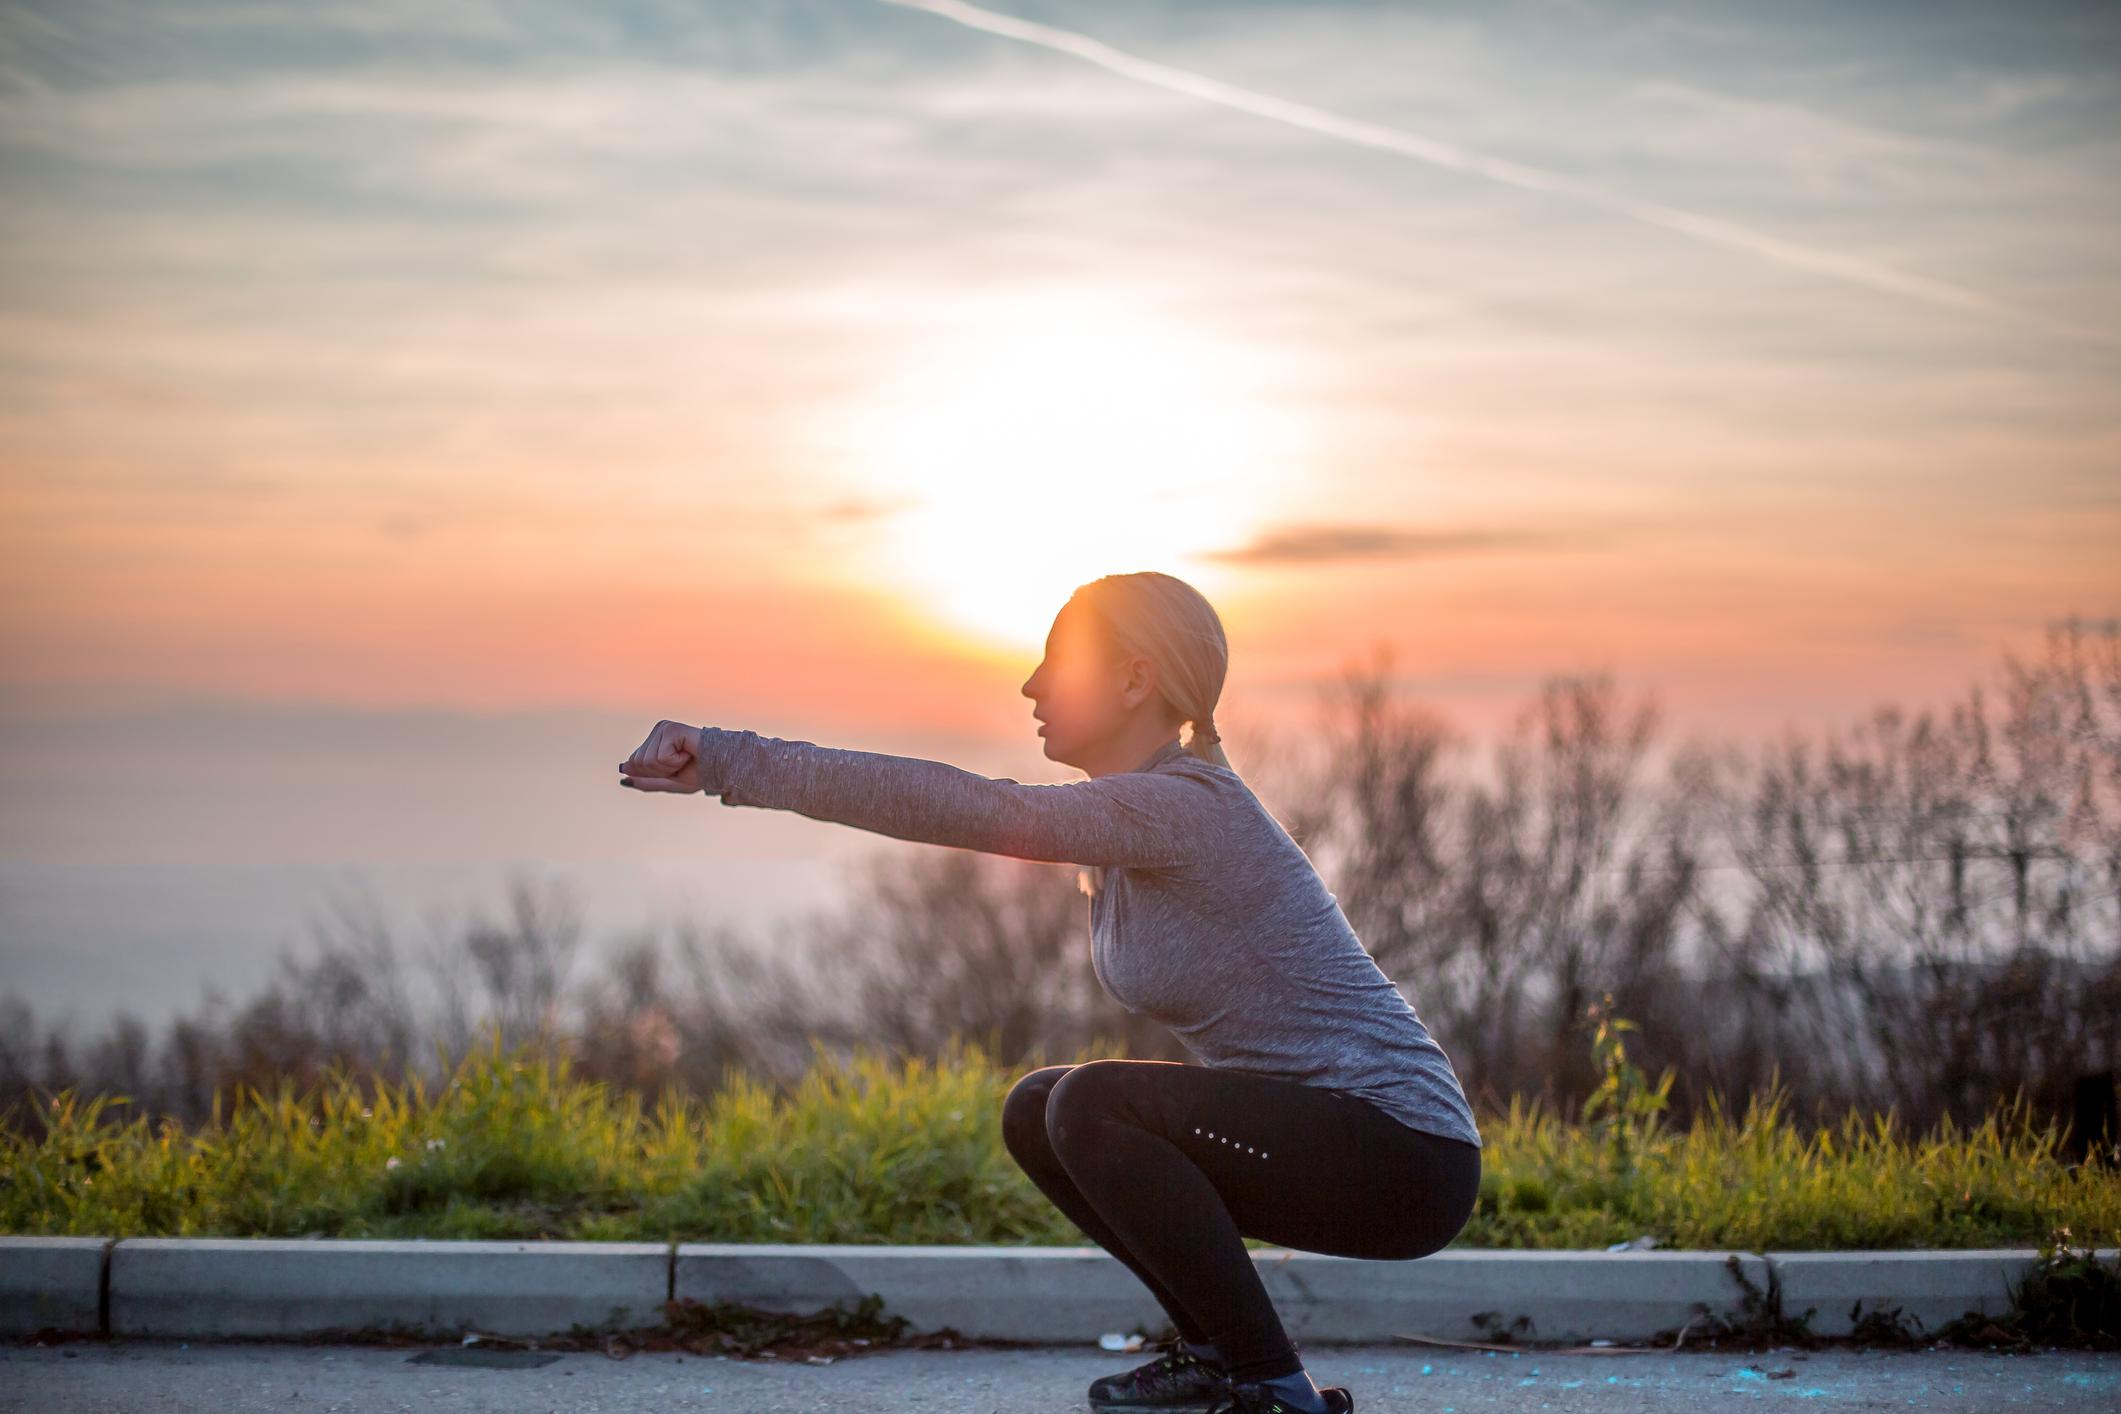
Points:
(1083, 693)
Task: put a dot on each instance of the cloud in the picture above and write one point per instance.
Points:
(1328, 542)
(862, 509)
(1841, 265)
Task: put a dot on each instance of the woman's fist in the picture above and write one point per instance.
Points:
(667, 760)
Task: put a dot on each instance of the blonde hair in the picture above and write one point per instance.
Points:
(1169, 622)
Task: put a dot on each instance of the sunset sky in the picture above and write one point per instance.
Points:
(403, 406)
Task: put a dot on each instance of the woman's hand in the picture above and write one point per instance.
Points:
(667, 760)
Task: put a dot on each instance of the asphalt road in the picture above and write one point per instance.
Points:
(141, 1375)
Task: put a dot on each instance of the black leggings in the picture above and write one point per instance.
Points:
(1170, 1166)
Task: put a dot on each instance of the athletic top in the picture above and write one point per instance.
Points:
(1211, 919)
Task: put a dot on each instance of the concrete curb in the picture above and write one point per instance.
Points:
(1839, 1289)
(53, 1282)
(293, 1286)
(205, 1288)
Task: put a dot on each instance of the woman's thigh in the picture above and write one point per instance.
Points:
(1297, 1165)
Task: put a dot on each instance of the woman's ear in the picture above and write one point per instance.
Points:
(1137, 680)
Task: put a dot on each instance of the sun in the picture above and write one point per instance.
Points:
(1044, 440)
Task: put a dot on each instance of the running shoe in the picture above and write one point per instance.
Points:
(1175, 1380)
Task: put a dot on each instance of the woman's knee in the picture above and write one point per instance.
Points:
(1024, 1108)
(1086, 1090)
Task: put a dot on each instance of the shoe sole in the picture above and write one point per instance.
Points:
(1200, 1408)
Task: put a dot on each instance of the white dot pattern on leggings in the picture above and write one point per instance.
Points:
(1226, 1139)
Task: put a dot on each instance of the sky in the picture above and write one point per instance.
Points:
(403, 407)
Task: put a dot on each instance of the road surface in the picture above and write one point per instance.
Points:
(147, 1375)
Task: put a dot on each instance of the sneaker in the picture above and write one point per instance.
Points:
(1174, 1380)
(1258, 1399)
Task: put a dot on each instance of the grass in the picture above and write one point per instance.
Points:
(515, 1145)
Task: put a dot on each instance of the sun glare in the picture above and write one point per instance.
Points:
(1041, 442)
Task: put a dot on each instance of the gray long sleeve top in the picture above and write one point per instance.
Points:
(1211, 918)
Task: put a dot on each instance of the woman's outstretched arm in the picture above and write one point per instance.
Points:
(1137, 819)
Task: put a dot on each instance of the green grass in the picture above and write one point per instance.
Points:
(516, 1145)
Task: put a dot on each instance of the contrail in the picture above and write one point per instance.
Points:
(1841, 266)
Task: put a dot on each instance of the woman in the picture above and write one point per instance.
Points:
(1323, 1116)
